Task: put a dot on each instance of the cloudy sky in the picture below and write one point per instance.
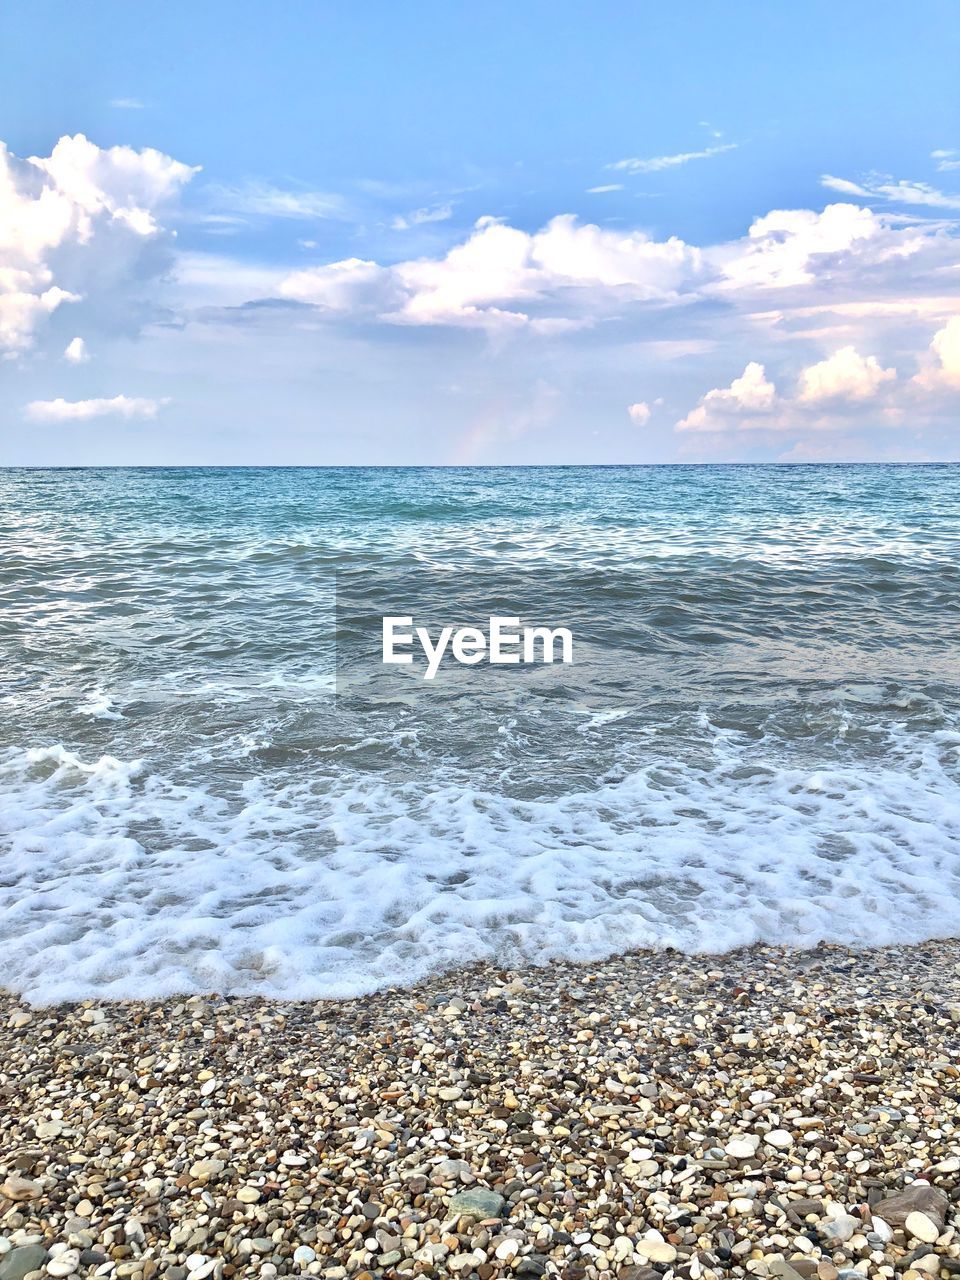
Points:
(450, 233)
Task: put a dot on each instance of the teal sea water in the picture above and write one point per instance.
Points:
(202, 790)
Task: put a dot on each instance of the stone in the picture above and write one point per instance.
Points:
(743, 1206)
(806, 1268)
(921, 1226)
(20, 1262)
(303, 1255)
(203, 1170)
(882, 1230)
(929, 1264)
(477, 1203)
(741, 1148)
(64, 1264)
(779, 1138)
(17, 1188)
(782, 1268)
(657, 1250)
(839, 1227)
(248, 1195)
(919, 1197)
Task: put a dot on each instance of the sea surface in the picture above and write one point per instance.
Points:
(208, 783)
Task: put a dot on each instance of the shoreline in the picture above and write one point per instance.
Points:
(650, 1115)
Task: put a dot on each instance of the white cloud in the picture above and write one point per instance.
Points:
(126, 104)
(883, 187)
(77, 224)
(946, 160)
(639, 413)
(80, 410)
(747, 397)
(655, 164)
(265, 200)
(946, 347)
(785, 247)
(502, 276)
(76, 351)
(433, 213)
(846, 375)
(602, 190)
(118, 182)
(571, 275)
(222, 224)
(841, 384)
(941, 368)
(936, 305)
(354, 285)
(24, 303)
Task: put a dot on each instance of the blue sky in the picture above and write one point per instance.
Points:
(323, 233)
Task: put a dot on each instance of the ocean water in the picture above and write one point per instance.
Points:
(208, 784)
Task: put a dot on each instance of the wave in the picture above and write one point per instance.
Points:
(122, 883)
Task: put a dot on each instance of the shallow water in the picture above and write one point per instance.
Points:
(201, 789)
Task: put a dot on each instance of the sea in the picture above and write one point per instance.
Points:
(211, 783)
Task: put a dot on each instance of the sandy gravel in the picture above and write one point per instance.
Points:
(766, 1113)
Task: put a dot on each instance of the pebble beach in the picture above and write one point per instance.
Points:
(765, 1113)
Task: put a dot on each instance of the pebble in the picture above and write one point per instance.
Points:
(477, 1203)
(921, 1227)
(768, 1114)
(16, 1188)
(65, 1263)
(20, 1262)
(779, 1138)
(741, 1149)
(839, 1227)
(919, 1197)
(656, 1250)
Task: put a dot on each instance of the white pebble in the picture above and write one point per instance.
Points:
(64, 1264)
(921, 1227)
(741, 1148)
(780, 1139)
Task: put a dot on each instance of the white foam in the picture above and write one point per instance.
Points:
(99, 706)
(118, 881)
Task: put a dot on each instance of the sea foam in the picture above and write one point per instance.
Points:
(121, 883)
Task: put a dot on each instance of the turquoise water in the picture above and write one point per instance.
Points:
(201, 789)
